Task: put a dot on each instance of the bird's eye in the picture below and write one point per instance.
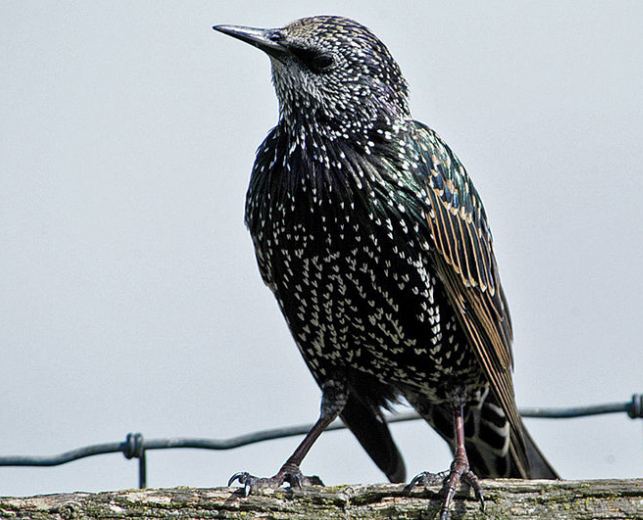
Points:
(276, 35)
(315, 60)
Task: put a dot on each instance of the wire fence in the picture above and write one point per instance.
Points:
(135, 446)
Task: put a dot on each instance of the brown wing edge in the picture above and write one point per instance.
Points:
(465, 263)
(474, 316)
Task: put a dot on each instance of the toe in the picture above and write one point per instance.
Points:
(297, 479)
(241, 476)
(312, 480)
(472, 480)
(424, 479)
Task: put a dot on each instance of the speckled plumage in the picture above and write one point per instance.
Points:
(375, 243)
(346, 251)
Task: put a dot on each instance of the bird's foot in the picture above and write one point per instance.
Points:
(289, 474)
(459, 473)
(426, 479)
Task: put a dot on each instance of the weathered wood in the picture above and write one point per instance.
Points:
(506, 499)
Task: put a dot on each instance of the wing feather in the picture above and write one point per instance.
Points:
(464, 260)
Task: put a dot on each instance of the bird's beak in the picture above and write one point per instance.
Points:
(264, 39)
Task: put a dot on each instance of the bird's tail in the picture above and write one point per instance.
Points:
(492, 448)
(539, 467)
(363, 416)
(371, 430)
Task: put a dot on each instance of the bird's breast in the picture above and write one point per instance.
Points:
(347, 257)
(363, 296)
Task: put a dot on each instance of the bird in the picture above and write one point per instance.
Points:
(375, 243)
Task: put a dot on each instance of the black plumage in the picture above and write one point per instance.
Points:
(376, 245)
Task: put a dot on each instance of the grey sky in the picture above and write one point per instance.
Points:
(129, 295)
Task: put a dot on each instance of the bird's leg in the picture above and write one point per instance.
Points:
(459, 471)
(334, 396)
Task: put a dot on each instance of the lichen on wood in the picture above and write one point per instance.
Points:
(506, 499)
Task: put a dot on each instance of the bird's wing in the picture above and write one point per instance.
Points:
(463, 256)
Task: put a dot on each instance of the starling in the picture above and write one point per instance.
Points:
(374, 241)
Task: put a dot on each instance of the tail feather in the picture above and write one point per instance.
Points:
(371, 430)
(492, 448)
(539, 467)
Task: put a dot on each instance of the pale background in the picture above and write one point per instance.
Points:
(129, 295)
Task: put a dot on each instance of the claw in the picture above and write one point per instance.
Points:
(294, 480)
(241, 476)
(470, 478)
(414, 482)
(290, 474)
(424, 479)
(450, 479)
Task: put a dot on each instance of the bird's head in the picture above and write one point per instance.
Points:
(331, 74)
